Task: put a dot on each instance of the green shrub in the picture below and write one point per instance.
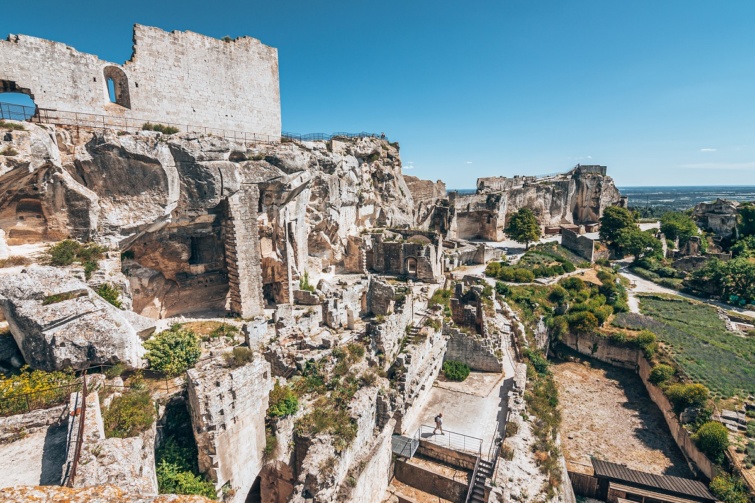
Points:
(115, 371)
(661, 373)
(502, 288)
(176, 456)
(441, 296)
(129, 414)
(568, 267)
(602, 313)
(173, 351)
(160, 128)
(224, 330)
(687, 395)
(750, 429)
(558, 295)
(34, 389)
(713, 439)
(172, 480)
(583, 322)
(573, 283)
(455, 371)
(68, 251)
(110, 294)
(539, 362)
(239, 356)
(283, 401)
(729, 488)
(304, 283)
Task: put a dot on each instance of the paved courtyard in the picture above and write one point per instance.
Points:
(475, 408)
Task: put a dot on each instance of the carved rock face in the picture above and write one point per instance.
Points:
(59, 322)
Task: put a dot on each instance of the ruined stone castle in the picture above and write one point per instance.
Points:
(307, 247)
(182, 78)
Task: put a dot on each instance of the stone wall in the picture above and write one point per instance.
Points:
(418, 476)
(244, 269)
(176, 77)
(581, 245)
(128, 463)
(228, 408)
(600, 349)
(681, 435)
(462, 460)
(475, 351)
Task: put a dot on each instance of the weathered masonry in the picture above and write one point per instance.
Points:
(178, 77)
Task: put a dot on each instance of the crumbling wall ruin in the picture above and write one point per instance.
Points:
(179, 77)
(576, 197)
(228, 408)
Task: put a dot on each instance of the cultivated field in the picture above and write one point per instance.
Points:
(699, 343)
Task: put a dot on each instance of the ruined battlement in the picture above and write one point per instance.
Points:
(172, 77)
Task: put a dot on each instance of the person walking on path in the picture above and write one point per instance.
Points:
(439, 424)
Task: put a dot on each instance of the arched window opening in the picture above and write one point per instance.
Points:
(14, 105)
(116, 84)
(411, 265)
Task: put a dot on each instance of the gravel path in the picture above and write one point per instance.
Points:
(645, 286)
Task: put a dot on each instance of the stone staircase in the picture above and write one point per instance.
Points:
(484, 471)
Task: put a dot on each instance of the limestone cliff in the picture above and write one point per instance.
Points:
(576, 197)
(203, 223)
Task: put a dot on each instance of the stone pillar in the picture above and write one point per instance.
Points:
(242, 250)
(228, 408)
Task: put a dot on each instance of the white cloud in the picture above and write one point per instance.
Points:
(708, 149)
(468, 162)
(409, 165)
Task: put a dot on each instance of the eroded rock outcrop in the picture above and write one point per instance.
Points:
(59, 322)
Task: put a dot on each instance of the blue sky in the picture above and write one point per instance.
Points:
(662, 92)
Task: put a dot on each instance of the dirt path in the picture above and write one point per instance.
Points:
(645, 286)
(608, 414)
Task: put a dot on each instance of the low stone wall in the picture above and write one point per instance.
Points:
(430, 482)
(581, 245)
(681, 436)
(600, 349)
(24, 424)
(128, 463)
(470, 350)
(372, 482)
(448, 456)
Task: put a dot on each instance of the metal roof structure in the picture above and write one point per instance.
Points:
(665, 483)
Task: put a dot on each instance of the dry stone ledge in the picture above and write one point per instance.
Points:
(94, 494)
(228, 408)
(59, 322)
(128, 463)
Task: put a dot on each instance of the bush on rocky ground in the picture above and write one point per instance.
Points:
(173, 351)
(69, 251)
(455, 371)
(129, 414)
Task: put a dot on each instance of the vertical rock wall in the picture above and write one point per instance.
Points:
(228, 408)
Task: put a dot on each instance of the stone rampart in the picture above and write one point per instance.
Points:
(176, 77)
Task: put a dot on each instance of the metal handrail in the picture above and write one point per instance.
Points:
(80, 434)
(450, 436)
(474, 480)
(12, 111)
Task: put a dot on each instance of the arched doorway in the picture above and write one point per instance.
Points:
(411, 266)
(116, 84)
